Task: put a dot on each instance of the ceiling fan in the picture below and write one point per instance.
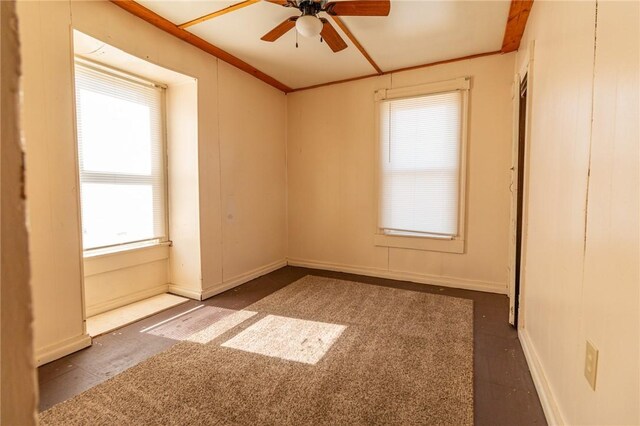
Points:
(310, 25)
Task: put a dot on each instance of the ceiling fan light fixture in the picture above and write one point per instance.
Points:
(309, 26)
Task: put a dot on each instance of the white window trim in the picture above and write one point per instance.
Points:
(133, 246)
(428, 243)
(125, 247)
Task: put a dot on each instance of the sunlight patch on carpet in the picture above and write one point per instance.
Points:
(221, 326)
(201, 324)
(287, 338)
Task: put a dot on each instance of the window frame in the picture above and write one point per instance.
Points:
(425, 242)
(114, 72)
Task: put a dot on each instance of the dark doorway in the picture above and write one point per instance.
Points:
(522, 125)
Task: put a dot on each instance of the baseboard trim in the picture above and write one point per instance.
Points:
(437, 280)
(228, 284)
(60, 349)
(547, 399)
(118, 302)
(243, 278)
(185, 292)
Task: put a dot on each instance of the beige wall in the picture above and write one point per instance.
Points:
(185, 262)
(18, 392)
(51, 177)
(117, 279)
(252, 154)
(51, 163)
(581, 250)
(332, 194)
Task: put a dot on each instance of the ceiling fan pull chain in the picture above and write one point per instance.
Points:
(296, 39)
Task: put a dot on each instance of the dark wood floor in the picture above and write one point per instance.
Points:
(503, 388)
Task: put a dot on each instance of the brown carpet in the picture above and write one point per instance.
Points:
(319, 351)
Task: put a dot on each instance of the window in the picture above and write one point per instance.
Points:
(121, 158)
(421, 162)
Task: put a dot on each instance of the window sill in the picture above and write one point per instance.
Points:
(124, 248)
(419, 243)
(114, 259)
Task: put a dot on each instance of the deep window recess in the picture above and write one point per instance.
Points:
(420, 173)
(121, 158)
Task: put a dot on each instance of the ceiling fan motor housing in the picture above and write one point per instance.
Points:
(310, 7)
(308, 24)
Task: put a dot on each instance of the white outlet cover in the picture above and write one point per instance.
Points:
(591, 364)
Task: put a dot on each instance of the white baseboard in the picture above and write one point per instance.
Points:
(108, 305)
(243, 278)
(185, 292)
(228, 284)
(443, 281)
(60, 349)
(547, 399)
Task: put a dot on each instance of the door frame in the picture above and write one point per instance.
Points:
(525, 71)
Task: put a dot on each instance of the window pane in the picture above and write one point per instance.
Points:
(121, 152)
(116, 134)
(115, 214)
(420, 163)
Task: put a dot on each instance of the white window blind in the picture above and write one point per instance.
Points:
(420, 165)
(121, 153)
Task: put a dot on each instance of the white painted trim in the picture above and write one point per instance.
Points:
(457, 245)
(526, 69)
(522, 298)
(420, 243)
(60, 349)
(127, 299)
(228, 284)
(547, 398)
(123, 248)
(513, 189)
(437, 280)
(185, 292)
(243, 278)
(76, 169)
(462, 83)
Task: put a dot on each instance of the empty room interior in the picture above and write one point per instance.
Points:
(320, 212)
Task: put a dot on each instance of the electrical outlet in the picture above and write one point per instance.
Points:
(591, 364)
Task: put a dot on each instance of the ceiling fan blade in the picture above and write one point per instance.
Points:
(280, 2)
(359, 8)
(280, 30)
(331, 36)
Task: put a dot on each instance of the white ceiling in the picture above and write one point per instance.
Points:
(415, 32)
